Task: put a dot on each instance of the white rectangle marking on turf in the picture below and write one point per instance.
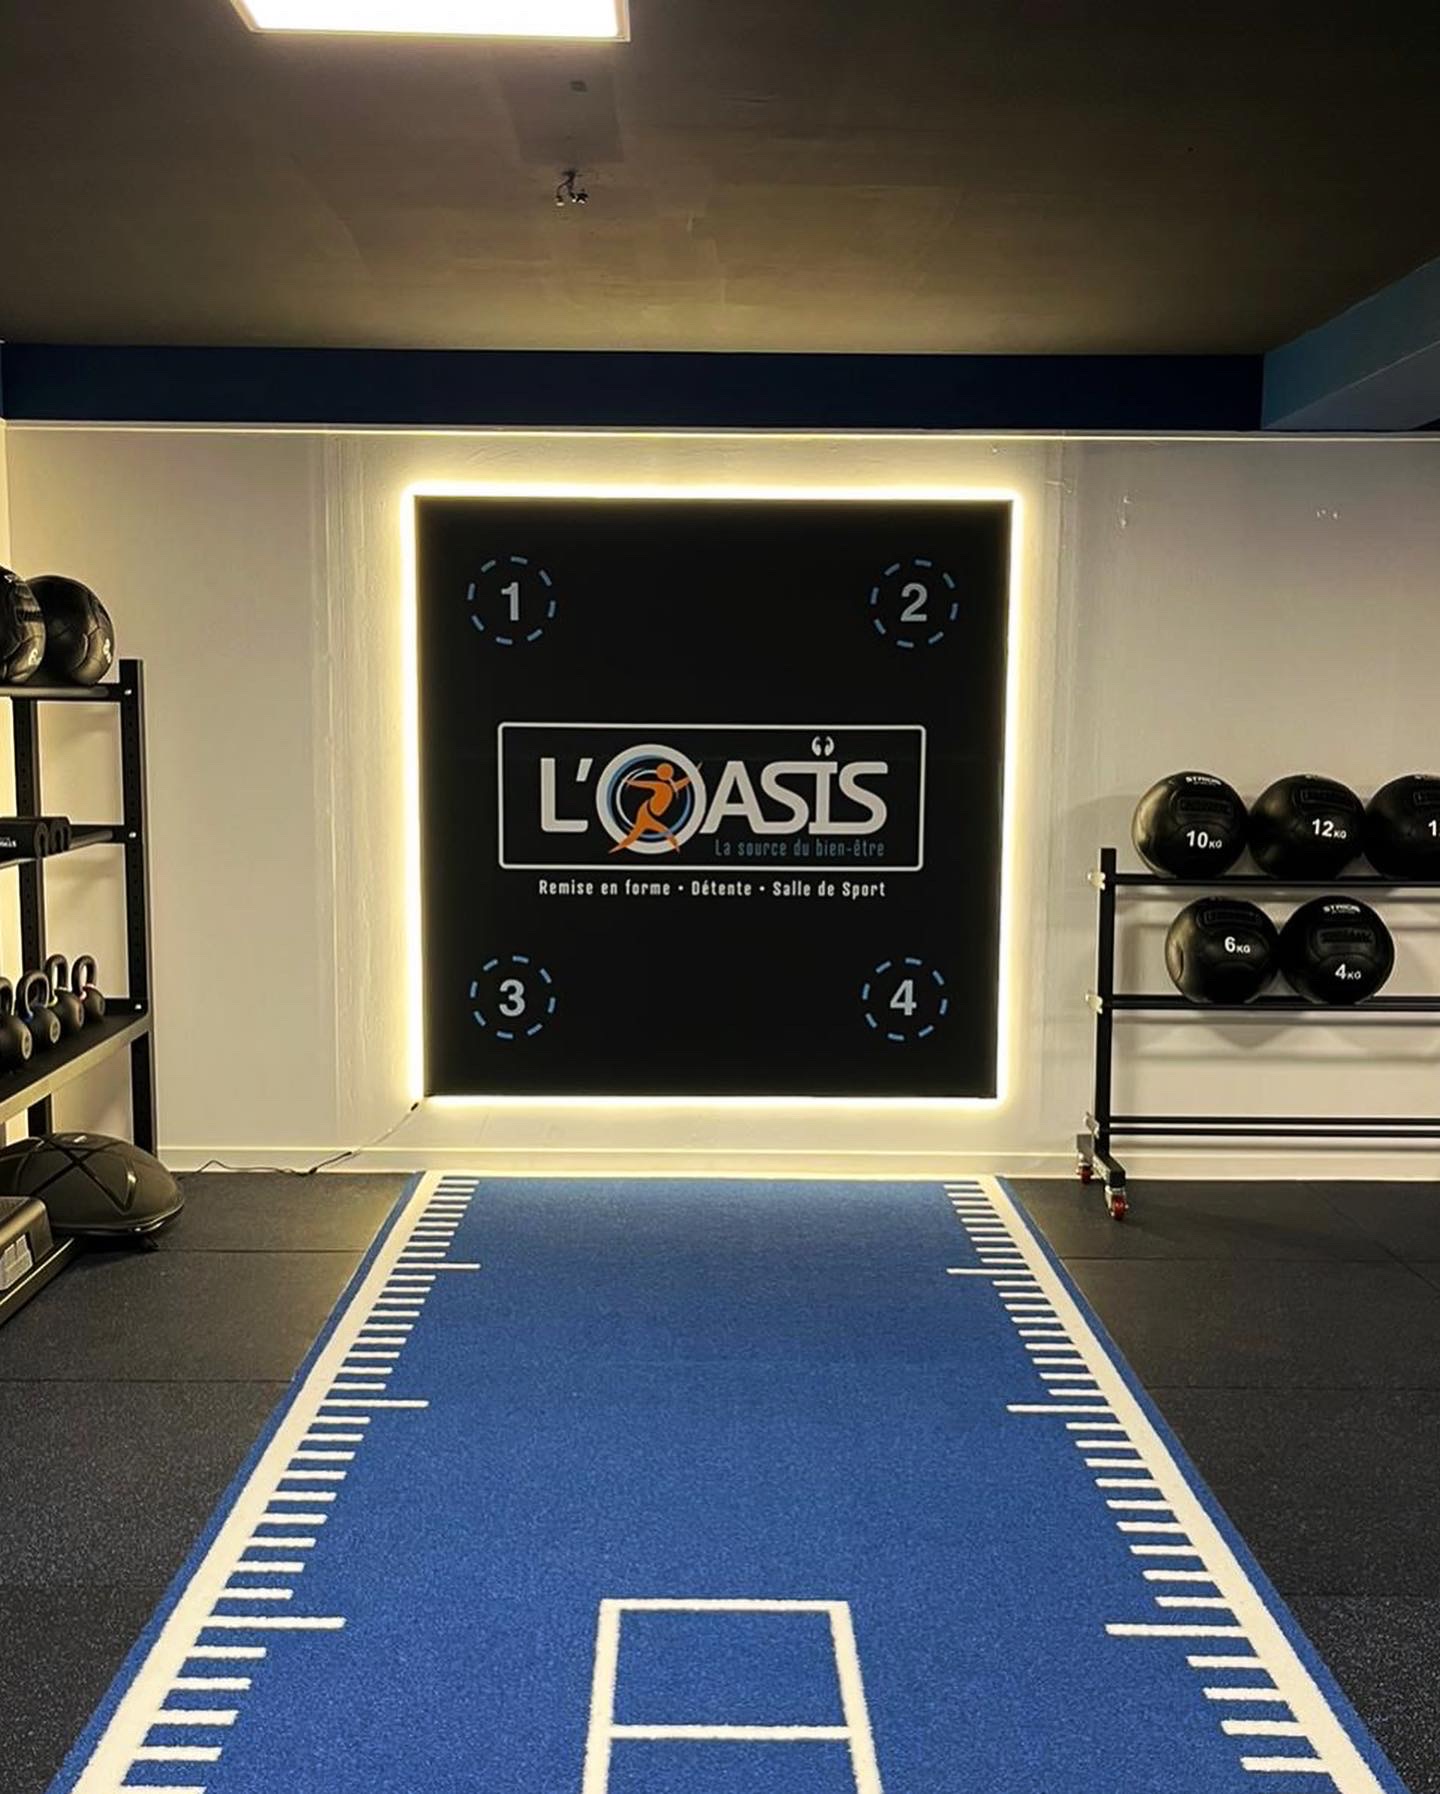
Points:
(193, 1613)
(1338, 1752)
(603, 1729)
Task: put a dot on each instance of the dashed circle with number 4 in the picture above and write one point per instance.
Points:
(904, 1000)
(913, 603)
(513, 998)
(512, 600)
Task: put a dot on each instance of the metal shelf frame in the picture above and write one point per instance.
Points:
(127, 1025)
(1095, 1145)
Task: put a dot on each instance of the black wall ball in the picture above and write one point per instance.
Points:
(1221, 950)
(1189, 825)
(79, 636)
(1402, 827)
(1306, 826)
(1336, 950)
(22, 629)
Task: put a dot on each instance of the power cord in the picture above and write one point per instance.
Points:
(337, 1158)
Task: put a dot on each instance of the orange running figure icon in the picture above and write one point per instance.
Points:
(664, 788)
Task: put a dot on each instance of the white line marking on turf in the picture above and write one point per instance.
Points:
(245, 1525)
(1262, 1728)
(215, 1684)
(197, 1715)
(742, 1734)
(1337, 1753)
(603, 1729)
(1241, 1694)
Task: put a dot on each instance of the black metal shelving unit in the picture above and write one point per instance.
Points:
(1103, 1126)
(127, 1026)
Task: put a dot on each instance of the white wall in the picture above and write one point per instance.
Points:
(1255, 606)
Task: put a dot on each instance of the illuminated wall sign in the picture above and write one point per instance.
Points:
(711, 795)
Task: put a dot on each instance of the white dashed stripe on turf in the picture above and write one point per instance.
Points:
(347, 1377)
(1073, 1369)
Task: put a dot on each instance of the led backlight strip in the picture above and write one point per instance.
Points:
(795, 493)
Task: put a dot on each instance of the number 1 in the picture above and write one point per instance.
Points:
(512, 592)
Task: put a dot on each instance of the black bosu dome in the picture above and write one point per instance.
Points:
(92, 1184)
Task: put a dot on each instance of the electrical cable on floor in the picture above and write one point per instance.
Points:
(337, 1158)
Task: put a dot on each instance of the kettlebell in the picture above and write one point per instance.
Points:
(63, 1000)
(82, 982)
(16, 1044)
(33, 1008)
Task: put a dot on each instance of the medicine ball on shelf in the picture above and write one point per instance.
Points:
(79, 636)
(1336, 950)
(1306, 827)
(1221, 950)
(1189, 825)
(22, 629)
(91, 1183)
(1402, 827)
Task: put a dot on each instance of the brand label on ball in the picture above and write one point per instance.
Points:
(686, 797)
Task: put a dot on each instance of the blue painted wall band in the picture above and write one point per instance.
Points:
(465, 389)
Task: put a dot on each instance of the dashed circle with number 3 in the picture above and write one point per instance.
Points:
(512, 600)
(904, 1000)
(513, 998)
(913, 603)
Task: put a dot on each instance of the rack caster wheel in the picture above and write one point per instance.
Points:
(1085, 1172)
(1116, 1202)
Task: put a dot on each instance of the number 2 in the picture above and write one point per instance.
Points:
(512, 997)
(914, 611)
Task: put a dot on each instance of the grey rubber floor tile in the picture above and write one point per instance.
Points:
(255, 1212)
(1403, 1217)
(1383, 1650)
(115, 1480)
(1254, 1324)
(59, 1651)
(1336, 1492)
(1180, 1219)
(176, 1317)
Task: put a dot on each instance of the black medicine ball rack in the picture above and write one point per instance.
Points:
(1103, 1126)
(127, 1021)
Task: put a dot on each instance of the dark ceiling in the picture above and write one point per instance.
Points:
(878, 175)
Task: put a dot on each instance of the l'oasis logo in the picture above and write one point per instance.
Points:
(691, 797)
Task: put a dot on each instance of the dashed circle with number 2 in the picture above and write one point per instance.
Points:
(513, 998)
(913, 603)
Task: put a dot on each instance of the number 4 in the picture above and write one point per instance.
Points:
(904, 998)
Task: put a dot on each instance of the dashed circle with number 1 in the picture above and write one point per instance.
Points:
(512, 600)
(513, 998)
(904, 1000)
(913, 603)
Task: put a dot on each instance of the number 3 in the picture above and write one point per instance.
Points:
(512, 997)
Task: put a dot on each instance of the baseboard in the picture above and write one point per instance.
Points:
(1349, 1162)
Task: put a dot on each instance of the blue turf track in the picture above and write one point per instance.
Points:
(693, 1390)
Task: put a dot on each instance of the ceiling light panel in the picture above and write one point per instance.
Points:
(592, 19)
